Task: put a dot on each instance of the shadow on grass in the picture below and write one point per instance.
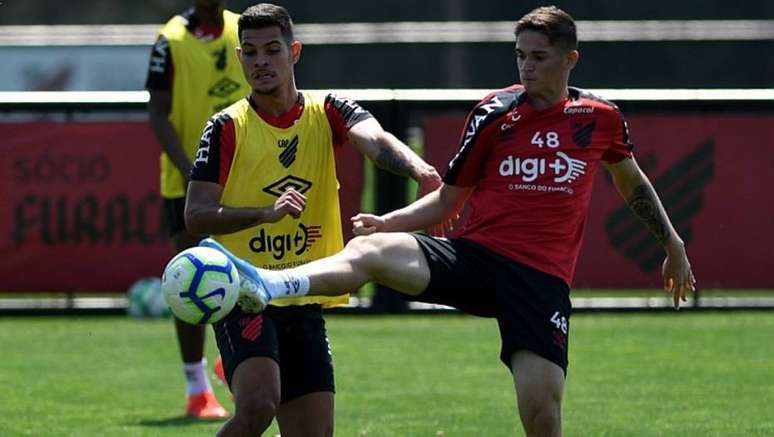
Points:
(178, 421)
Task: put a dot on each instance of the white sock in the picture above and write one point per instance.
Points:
(196, 377)
(284, 283)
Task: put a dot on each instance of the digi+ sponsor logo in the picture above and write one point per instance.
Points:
(564, 168)
(279, 245)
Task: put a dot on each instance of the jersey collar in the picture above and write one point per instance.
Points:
(282, 121)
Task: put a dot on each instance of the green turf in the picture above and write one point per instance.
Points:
(687, 374)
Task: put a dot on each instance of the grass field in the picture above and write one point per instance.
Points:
(689, 374)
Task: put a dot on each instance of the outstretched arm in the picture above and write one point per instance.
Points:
(204, 215)
(389, 153)
(432, 209)
(639, 194)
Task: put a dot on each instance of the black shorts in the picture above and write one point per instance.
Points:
(293, 336)
(532, 308)
(174, 215)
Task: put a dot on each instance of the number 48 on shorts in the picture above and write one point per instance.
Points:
(560, 322)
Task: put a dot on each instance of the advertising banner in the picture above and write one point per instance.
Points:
(80, 209)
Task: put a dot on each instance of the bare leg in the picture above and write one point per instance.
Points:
(256, 389)
(539, 387)
(190, 338)
(392, 259)
(307, 416)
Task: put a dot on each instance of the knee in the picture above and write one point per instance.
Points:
(544, 418)
(317, 430)
(254, 413)
(365, 250)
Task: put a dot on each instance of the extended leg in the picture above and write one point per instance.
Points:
(391, 259)
(539, 387)
(394, 260)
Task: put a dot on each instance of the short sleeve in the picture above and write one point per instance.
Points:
(160, 66)
(342, 114)
(466, 167)
(213, 159)
(621, 146)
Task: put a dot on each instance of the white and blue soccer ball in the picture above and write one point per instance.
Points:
(200, 285)
(145, 299)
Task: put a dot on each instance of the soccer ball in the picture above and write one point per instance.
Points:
(200, 285)
(145, 299)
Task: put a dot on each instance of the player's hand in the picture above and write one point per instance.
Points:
(367, 224)
(677, 274)
(291, 203)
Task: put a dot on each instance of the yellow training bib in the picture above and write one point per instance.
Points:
(268, 160)
(207, 77)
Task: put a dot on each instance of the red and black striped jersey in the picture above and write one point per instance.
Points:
(533, 172)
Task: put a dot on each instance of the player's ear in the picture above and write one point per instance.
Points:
(238, 51)
(295, 51)
(572, 58)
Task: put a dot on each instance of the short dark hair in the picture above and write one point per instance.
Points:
(552, 22)
(267, 15)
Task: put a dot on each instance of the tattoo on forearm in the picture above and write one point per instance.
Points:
(393, 161)
(645, 206)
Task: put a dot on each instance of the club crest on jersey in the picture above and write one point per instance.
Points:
(581, 132)
(290, 181)
(289, 149)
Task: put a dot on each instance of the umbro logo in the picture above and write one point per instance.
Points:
(277, 188)
(223, 88)
(288, 156)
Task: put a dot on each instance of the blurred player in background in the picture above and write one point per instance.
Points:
(260, 163)
(526, 166)
(193, 73)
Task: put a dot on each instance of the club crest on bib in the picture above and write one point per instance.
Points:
(289, 150)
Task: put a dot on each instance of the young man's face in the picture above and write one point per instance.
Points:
(542, 66)
(267, 59)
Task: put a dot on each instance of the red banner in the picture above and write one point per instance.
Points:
(81, 209)
(710, 171)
